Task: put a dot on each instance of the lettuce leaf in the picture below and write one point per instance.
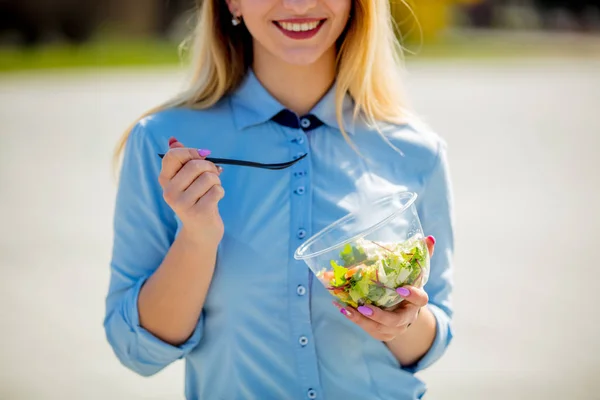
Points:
(339, 273)
(375, 293)
(352, 255)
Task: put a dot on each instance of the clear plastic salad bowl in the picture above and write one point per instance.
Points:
(365, 256)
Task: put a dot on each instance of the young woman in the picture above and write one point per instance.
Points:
(211, 278)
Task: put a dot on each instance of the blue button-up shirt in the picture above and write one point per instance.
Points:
(267, 330)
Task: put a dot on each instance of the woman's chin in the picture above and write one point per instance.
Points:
(300, 57)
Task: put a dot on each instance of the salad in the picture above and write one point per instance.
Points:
(372, 271)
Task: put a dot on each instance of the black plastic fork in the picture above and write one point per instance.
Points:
(242, 163)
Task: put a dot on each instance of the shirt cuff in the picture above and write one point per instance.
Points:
(150, 349)
(443, 337)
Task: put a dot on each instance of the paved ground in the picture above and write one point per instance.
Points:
(524, 140)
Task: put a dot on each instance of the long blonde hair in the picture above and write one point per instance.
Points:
(369, 62)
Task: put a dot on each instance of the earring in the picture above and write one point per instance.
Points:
(236, 20)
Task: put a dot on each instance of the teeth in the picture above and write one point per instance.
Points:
(289, 26)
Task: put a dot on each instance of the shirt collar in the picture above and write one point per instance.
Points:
(252, 105)
(325, 110)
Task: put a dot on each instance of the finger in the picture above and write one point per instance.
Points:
(175, 159)
(376, 314)
(416, 316)
(430, 242)
(375, 329)
(189, 173)
(413, 295)
(213, 196)
(199, 188)
(407, 314)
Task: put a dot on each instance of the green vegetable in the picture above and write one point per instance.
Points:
(352, 255)
(338, 273)
(372, 271)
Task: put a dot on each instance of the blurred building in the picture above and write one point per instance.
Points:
(33, 21)
(582, 15)
(30, 21)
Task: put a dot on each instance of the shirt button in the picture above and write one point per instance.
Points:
(305, 123)
(297, 156)
(300, 140)
(301, 234)
(301, 290)
(303, 341)
(300, 190)
(312, 394)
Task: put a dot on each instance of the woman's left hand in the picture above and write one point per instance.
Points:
(387, 325)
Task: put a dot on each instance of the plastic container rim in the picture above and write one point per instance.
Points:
(412, 197)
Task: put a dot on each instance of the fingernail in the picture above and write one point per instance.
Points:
(364, 310)
(404, 292)
(345, 312)
(219, 169)
(204, 153)
(172, 140)
(431, 239)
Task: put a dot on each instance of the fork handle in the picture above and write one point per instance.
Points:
(225, 161)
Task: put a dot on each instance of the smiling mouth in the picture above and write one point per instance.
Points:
(301, 29)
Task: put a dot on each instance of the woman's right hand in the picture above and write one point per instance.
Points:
(192, 188)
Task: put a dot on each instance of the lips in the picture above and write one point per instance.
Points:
(300, 28)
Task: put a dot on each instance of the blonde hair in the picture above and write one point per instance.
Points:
(369, 62)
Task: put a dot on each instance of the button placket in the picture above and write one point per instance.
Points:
(299, 202)
(299, 276)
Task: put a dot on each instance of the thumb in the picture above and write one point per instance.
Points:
(430, 242)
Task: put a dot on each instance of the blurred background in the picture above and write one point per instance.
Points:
(512, 85)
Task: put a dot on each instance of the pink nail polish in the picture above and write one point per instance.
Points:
(172, 140)
(364, 310)
(345, 312)
(432, 239)
(204, 153)
(404, 292)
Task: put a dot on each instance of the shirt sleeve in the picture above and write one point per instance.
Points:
(435, 208)
(144, 229)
